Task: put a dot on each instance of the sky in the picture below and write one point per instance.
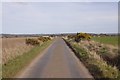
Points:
(60, 0)
(59, 17)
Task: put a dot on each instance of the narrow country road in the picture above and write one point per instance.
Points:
(57, 61)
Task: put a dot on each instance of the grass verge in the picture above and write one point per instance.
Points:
(14, 66)
(97, 66)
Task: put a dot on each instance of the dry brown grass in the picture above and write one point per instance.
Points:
(99, 68)
(94, 47)
(12, 47)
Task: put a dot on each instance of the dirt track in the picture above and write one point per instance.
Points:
(57, 61)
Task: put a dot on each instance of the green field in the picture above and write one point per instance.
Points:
(113, 40)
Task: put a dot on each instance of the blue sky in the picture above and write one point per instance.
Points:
(59, 17)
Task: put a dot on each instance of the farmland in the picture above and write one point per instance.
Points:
(113, 40)
(13, 47)
(100, 55)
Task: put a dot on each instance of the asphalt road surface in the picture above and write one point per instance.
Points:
(57, 61)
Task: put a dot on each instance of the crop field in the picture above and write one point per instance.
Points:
(13, 47)
(113, 40)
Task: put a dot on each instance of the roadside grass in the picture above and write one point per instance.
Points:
(98, 67)
(95, 64)
(113, 40)
(13, 47)
(12, 67)
(109, 54)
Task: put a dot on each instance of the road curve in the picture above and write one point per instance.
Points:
(57, 61)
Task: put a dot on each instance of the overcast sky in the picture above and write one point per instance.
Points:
(59, 0)
(59, 17)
